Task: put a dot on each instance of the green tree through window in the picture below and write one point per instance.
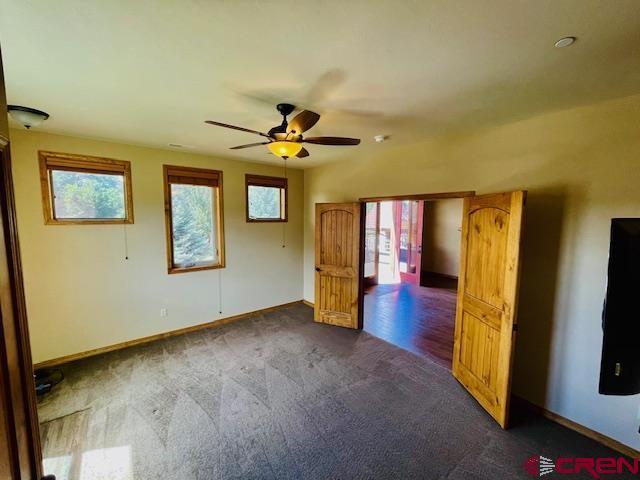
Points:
(264, 202)
(88, 195)
(194, 236)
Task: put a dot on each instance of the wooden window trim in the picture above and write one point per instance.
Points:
(265, 181)
(84, 164)
(420, 196)
(193, 176)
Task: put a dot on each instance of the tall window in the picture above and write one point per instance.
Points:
(266, 198)
(78, 189)
(193, 214)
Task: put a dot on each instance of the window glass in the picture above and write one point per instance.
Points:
(193, 224)
(265, 202)
(372, 226)
(82, 195)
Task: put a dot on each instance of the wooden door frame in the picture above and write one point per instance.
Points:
(21, 437)
(364, 201)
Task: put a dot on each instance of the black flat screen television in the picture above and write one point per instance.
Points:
(620, 365)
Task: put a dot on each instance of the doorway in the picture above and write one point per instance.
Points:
(485, 309)
(411, 264)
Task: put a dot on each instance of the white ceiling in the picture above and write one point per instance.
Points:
(151, 71)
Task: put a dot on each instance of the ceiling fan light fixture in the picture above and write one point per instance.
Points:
(285, 148)
(29, 117)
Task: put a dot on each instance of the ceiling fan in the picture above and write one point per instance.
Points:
(285, 140)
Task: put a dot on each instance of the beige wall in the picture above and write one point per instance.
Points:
(441, 236)
(81, 292)
(581, 168)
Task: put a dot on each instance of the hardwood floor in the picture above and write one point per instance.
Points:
(418, 319)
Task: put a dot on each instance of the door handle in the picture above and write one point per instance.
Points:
(317, 269)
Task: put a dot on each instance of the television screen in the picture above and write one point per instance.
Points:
(620, 367)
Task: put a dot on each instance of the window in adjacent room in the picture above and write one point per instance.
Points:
(266, 199)
(194, 221)
(78, 189)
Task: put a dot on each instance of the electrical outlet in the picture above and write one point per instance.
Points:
(163, 312)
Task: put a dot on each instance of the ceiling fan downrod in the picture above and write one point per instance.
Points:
(285, 109)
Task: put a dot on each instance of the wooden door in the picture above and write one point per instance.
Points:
(20, 455)
(408, 227)
(337, 264)
(487, 299)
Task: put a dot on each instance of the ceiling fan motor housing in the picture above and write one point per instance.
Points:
(285, 108)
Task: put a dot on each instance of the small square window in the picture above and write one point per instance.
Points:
(78, 189)
(266, 199)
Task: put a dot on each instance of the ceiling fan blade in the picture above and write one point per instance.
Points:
(303, 122)
(242, 129)
(249, 145)
(332, 140)
(303, 153)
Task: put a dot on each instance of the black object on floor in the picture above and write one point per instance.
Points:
(46, 379)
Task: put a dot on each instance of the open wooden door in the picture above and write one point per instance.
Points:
(337, 264)
(408, 230)
(20, 453)
(487, 299)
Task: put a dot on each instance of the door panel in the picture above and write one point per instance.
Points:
(487, 299)
(408, 223)
(337, 246)
(20, 455)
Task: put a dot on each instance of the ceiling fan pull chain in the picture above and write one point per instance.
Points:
(220, 291)
(284, 224)
(126, 242)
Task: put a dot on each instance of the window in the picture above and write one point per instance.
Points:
(266, 199)
(193, 215)
(78, 189)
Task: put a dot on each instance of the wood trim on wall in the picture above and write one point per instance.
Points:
(576, 427)
(421, 196)
(88, 164)
(54, 362)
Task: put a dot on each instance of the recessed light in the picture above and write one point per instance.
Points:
(381, 138)
(565, 42)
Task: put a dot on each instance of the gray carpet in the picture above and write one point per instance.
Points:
(278, 396)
